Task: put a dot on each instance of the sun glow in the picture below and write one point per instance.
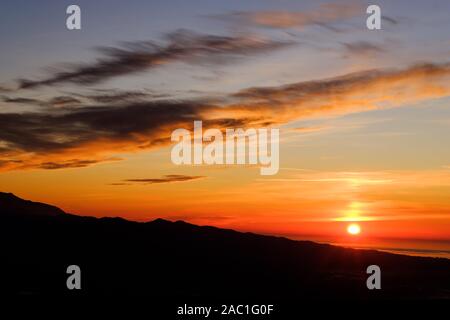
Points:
(356, 211)
(354, 229)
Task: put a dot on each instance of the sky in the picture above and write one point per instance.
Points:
(86, 115)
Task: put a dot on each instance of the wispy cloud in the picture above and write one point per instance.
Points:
(170, 178)
(62, 101)
(134, 57)
(323, 15)
(389, 19)
(20, 100)
(5, 89)
(355, 92)
(116, 96)
(58, 101)
(73, 163)
(362, 48)
(312, 129)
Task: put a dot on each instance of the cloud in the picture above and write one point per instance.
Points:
(95, 132)
(323, 15)
(362, 48)
(134, 57)
(11, 164)
(389, 19)
(355, 92)
(5, 163)
(166, 179)
(55, 136)
(107, 97)
(58, 101)
(74, 163)
(5, 89)
(21, 100)
(312, 129)
(47, 132)
(62, 101)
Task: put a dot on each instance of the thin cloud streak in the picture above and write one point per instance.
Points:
(362, 48)
(135, 57)
(324, 15)
(170, 178)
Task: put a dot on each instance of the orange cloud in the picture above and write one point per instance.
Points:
(323, 15)
(93, 133)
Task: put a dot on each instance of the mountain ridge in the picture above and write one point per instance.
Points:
(164, 258)
(159, 221)
(12, 204)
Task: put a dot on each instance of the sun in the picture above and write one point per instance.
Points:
(354, 229)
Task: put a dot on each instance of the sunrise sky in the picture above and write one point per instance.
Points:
(364, 117)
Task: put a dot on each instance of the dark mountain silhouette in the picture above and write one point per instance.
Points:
(177, 259)
(10, 204)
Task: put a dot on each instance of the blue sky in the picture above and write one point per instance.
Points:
(34, 37)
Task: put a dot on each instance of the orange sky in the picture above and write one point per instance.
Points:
(364, 119)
